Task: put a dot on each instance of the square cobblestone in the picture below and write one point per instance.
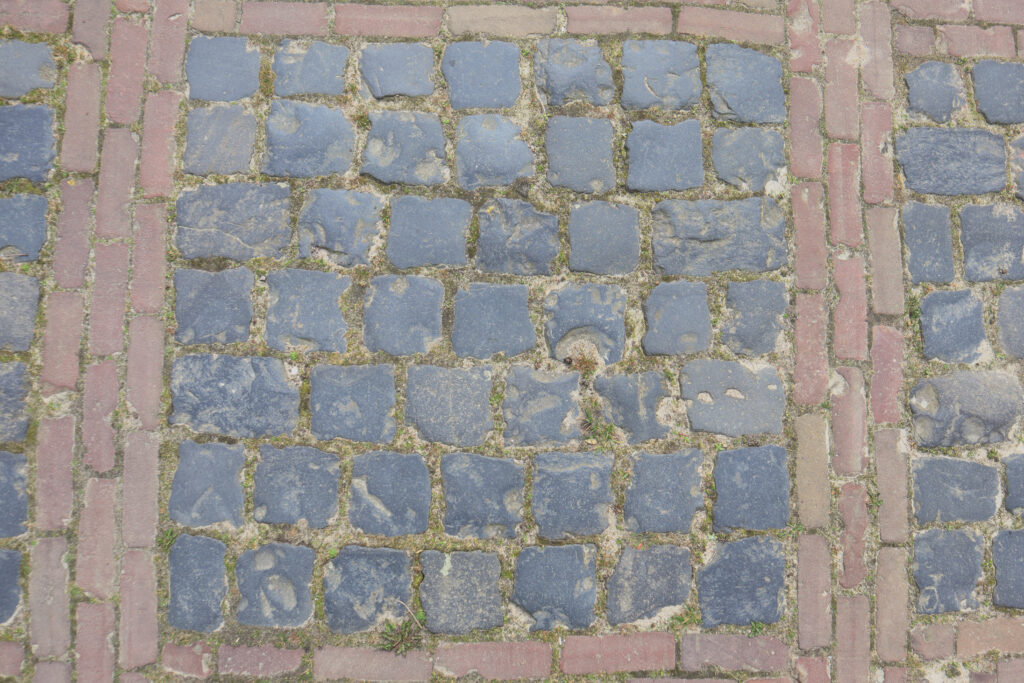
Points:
(207, 485)
(315, 68)
(647, 581)
(745, 85)
(516, 238)
(604, 238)
(304, 310)
(484, 75)
(490, 152)
(632, 402)
(743, 583)
(449, 405)
(586, 314)
(752, 485)
(213, 308)
(428, 232)
(580, 154)
(405, 147)
(483, 495)
(19, 302)
(570, 70)
(235, 220)
(459, 591)
(24, 67)
(13, 494)
(397, 69)
(947, 569)
(306, 140)
(362, 586)
(274, 583)
(664, 491)
(221, 68)
(390, 493)
(491, 319)
(219, 140)
(572, 494)
(540, 408)
(402, 314)
(660, 73)
(557, 586)
(354, 402)
(23, 225)
(665, 157)
(27, 147)
(343, 222)
(678, 319)
(198, 583)
(293, 485)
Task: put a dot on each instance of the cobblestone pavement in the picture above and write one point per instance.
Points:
(539, 340)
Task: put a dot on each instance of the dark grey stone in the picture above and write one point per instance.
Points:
(753, 489)
(402, 314)
(459, 591)
(539, 407)
(757, 308)
(207, 486)
(993, 240)
(390, 493)
(580, 153)
(724, 397)
(483, 496)
(492, 319)
(428, 232)
(744, 583)
(660, 73)
(315, 68)
(699, 238)
(220, 140)
(929, 242)
(484, 74)
(304, 312)
(952, 161)
(449, 405)
(646, 581)
(999, 91)
(745, 85)
(1014, 498)
(22, 226)
(604, 238)
(24, 67)
(10, 590)
(397, 69)
(587, 314)
(557, 586)
(293, 484)
(274, 583)
(13, 497)
(354, 402)
(490, 151)
(1007, 554)
(1010, 318)
(568, 70)
(951, 326)
(343, 222)
(405, 147)
(234, 396)
(748, 157)
(306, 140)
(953, 490)
(221, 68)
(665, 157)
(198, 583)
(965, 408)
(632, 403)
(572, 494)
(237, 220)
(13, 411)
(363, 586)
(516, 238)
(212, 307)
(936, 90)
(664, 492)
(947, 569)
(1017, 164)
(678, 319)
(19, 300)
(27, 147)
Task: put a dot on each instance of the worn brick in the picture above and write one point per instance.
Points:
(284, 18)
(55, 450)
(192, 661)
(138, 630)
(896, 674)
(841, 111)
(915, 40)
(814, 591)
(89, 26)
(886, 261)
(149, 261)
(657, 20)
(811, 265)
(853, 639)
(145, 369)
(891, 463)
(892, 597)
(156, 165)
(804, 46)
(52, 672)
(95, 569)
(132, 5)
(810, 372)
(214, 15)
(853, 508)
(259, 662)
(887, 376)
(167, 40)
(876, 150)
(109, 297)
(498, 660)
(43, 16)
(127, 70)
(98, 403)
(1011, 670)
(812, 669)
(61, 340)
(1005, 634)
(805, 103)
(850, 327)
(369, 664)
(94, 641)
(934, 641)
(609, 654)
(876, 37)
(387, 20)
(71, 251)
(49, 616)
(117, 179)
(732, 652)
(80, 142)
(999, 11)
(837, 16)
(974, 41)
(739, 26)
(849, 423)
(844, 194)
(12, 655)
(812, 489)
(949, 10)
(503, 21)
(141, 489)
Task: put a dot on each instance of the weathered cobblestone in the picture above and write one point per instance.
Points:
(397, 69)
(572, 494)
(664, 157)
(390, 493)
(604, 238)
(936, 90)
(314, 69)
(13, 494)
(991, 237)
(752, 485)
(748, 157)
(484, 75)
(303, 310)
(10, 591)
(293, 485)
(214, 307)
(14, 417)
(557, 586)
(19, 301)
(27, 148)
(950, 161)
(744, 583)
(647, 581)
(198, 583)
(353, 402)
(364, 585)
(580, 155)
(459, 591)
(927, 230)
(570, 70)
(951, 324)
(1014, 498)
(660, 73)
(343, 222)
(428, 232)
(540, 408)
(965, 408)
(450, 405)
(632, 403)
(236, 220)
(219, 140)
(952, 490)
(25, 67)
(586, 314)
(757, 307)
(516, 238)
(483, 496)
(23, 225)
(221, 69)
(678, 319)
(745, 85)
(1007, 549)
(207, 486)
(999, 91)
(725, 397)
(664, 491)
(403, 314)
(274, 582)
(305, 140)
(490, 152)
(405, 147)
(490, 319)
(947, 568)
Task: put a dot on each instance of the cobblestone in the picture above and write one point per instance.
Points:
(221, 69)
(198, 583)
(484, 75)
(951, 490)
(459, 591)
(343, 222)
(965, 408)
(207, 486)
(647, 581)
(678, 319)
(428, 232)
(936, 90)
(491, 319)
(306, 140)
(664, 157)
(1007, 547)
(28, 148)
(303, 310)
(725, 397)
(390, 493)
(14, 505)
(258, 223)
(25, 66)
(364, 585)
(999, 91)
(570, 70)
(580, 154)
(397, 69)
(274, 582)
(572, 494)
(557, 586)
(947, 568)
(990, 234)
(23, 225)
(293, 485)
(744, 583)
(490, 152)
(660, 73)
(757, 308)
(353, 402)
(927, 156)
(745, 85)
(314, 69)
(604, 238)
(540, 408)
(927, 230)
(752, 485)
(483, 496)
(19, 301)
(586, 314)
(213, 307)
(951, 324)
(403, 314)
(632, 403)
(14, 417)
(450, 405)
(664, 492)
(405, 147)
(10, 591)
(747, 157)
(220, 140)
(516, 238)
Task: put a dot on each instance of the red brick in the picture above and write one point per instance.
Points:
(891, 463)
(876, 36)
(844, 194)
(262, 662)
(656, 20)
(837, 16)
(109, 298)
(853, 508)
(141, 493)
(98, 403)
(849, 423)
(850, 327)
(62, 338)
(805, 127)
(886, 261)
(49, 617)
(284, 18)
(138, 627)
(497, 661)
(950, 10)
(999, 11)
(983, 677)
(812, 669)
(55, 450)
(167, 40)
(892, 595)
(811, 265)
(95, 570)
(502, 21)
(387, 20)
(94, 641)
(52, 672)
(896, 674)
(117, 179)
(80, 142)
(853, 639)
(367, 663)
(1005, 634)
(812, 488)
(732, 652)
(12, 655)
(887, 377)
(814, 592)
(156, 166)
(933, 641)
(610, 654)
(915, 40)
(145, 369)
(1011, 670)
(132, 5)
(43, 16)
(974, 41)
(214, 15)
(127, 70)
(876, 146)
(71, 251)
(193, 662)
(149, 262)
(89, 26)
(739, 26)
(810, 372)
(804, 47)
(841, 114)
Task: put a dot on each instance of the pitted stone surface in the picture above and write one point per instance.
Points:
(927, 235)
(10, 591)
(744, 583)
(936, 90)
(390, 493)
(459, 591)
(665, 157)
(27, 147)
(483, 496)
(306, 140)
(757, 307)
(198, 583)
(449, 405)
(1010, 318)
(484, 74)
(587, 315)
(999, 91)
(1007, 551)
(516, 238)
(539, 407)
(234, 396)
(753, 489)
(572, 494)
(428, 232)
(295, 484)
(220, 140)
(309, 69)
(1017, 164)
(965, 408)
(13, 411)
(13, 496)
(632, 404)
(604, 238)
(993, 240)
(221, 69)
(950, 161)
(490, 151)
(571, 70)
(703, 237)
(947, 569)
(664, 492)
(24, 67)
(745, 85)
(660, 73)
(405, 147)
(397, 69)
(490, 319)
(237, 220)
(1014, 498)
(557, 586)
(725, 397)
(274, 583)
(207, 486)
(678, 319)
(580, 154)
(402, 314)
(748, 157)
(952, 327)
(19, 300)
(362, 586)
(343, 222)
(647, 581)
(954, 490)
(212, 308)
(303, 310)
(354, 402)
(22, 226)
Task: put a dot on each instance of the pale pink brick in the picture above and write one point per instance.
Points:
(849, 321)
(811, 266)
(141, 489)
(52, 672)
(89, 26)
(190, 661)
(892, 613)
(167, 40)
(841, 112)
(266, 661)
(804, 46)
(876, 146)
(156, 169)
(71, 251)
(810, 372)
(915, 40)
(886, 261)
(805, 127)
(80, 142)
(149, 261)
(887, 379)
(496, 660)
(55, 450)
(127, 71)
(62, 338)
(837, 16)
(117, 179)
(853, 508)
(94, 641)
(974, 41)
(814, 592)
(99, 401)
(49, 616)
(844, 194)
(891, 465)
(1011, 670)
(502, 20)
(899, 674)
(999, 11)
(109, 298)
(934, 641)
(813, 493)
(876, 35)
(132, 5)
(95, 568)
(698, 651)
(853, 639)
(812, 670)
(949, 10)
(739, 26)
(284, 18)
(138, 626)
(43, 16)
(849, 423)
(144, 378)
(387, 20)
(614, 653)
(657, 20)
(367, 663)
(214, 15)
(12, 655)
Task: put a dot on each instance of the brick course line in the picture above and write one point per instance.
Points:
(387, 20)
